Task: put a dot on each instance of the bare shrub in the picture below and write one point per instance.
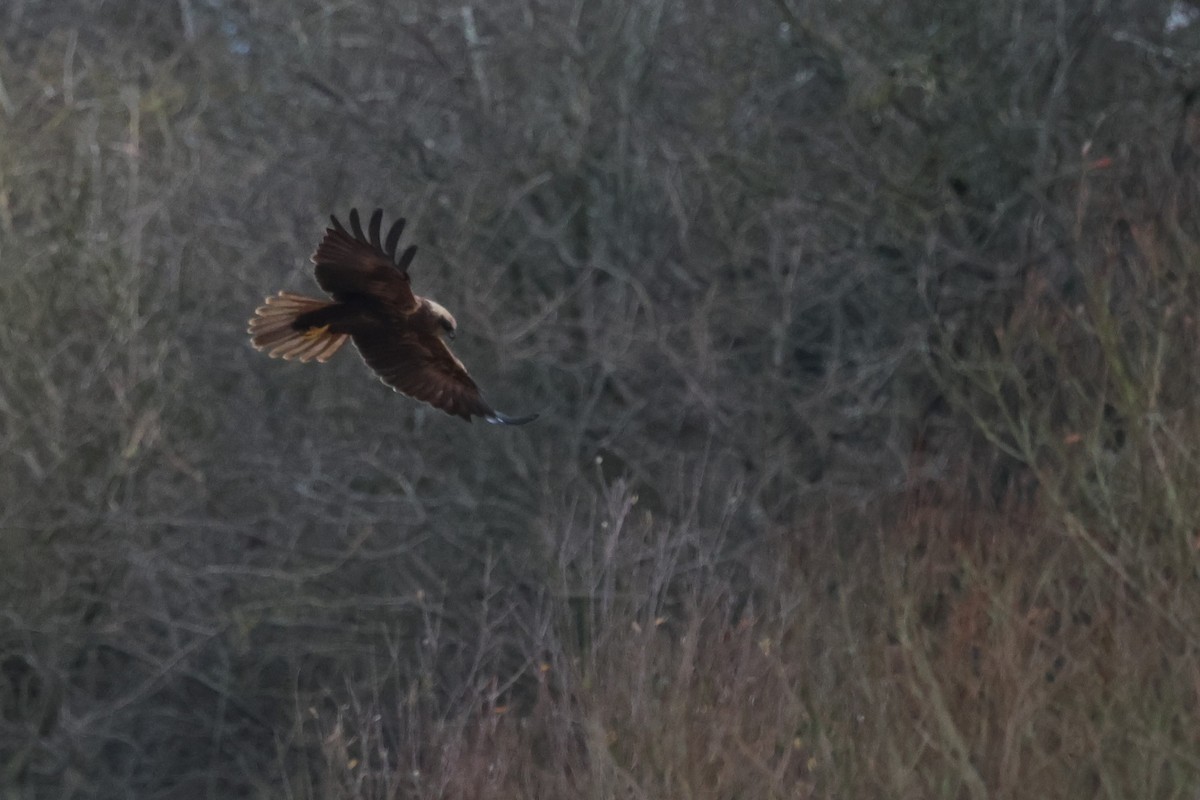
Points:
(740, 259)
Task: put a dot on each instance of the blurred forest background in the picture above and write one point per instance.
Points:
(864, 336)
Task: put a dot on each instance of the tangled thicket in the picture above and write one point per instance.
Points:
(864, 337)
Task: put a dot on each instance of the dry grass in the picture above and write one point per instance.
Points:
(960, 653)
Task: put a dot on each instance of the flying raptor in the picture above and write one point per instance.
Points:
(399, 334)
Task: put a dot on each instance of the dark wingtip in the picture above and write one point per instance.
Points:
(406, 258)
(356, 225)
(373, 228)
(496, 418)
(371, 236)
(393, 238)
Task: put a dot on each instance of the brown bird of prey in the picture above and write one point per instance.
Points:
(398, 333)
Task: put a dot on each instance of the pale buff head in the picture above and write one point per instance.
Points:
(444, 317)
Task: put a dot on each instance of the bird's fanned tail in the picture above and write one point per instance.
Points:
(272, 330)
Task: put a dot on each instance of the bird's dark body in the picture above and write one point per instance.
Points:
(350, 316)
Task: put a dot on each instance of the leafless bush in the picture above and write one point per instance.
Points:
(739, 259)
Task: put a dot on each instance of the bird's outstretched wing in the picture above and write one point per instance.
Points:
(421, 366)
(352, 264)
